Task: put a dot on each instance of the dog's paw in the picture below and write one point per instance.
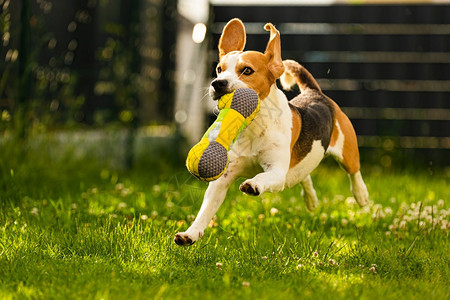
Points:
(183, 239)
(362, 198)
(359, 189)
(249, 187)
(311, 201)
(186, 239)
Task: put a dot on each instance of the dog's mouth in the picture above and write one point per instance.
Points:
(217, 95)
(218, 88)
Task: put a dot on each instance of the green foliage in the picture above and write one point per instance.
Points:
(69, 72)
(76, 230)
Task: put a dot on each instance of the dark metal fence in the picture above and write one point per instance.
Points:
(387, 66)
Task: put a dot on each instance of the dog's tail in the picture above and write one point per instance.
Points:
(296, 73)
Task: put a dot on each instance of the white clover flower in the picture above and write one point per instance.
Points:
(388, 211)
(156, 188)
(213, 222)
(350, 201)
(366, 209)
(344, 222)
(35, 211)
(273, 211)
(125, 192)
(402, 224)
(377, 207)
(404, 206)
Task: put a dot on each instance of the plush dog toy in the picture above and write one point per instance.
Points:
(208, 159)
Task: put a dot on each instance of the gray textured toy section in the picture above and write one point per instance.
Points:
(244, 101)
(213, 160)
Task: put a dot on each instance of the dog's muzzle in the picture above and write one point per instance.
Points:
(219, 88)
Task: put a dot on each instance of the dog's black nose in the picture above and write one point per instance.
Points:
(219, 85)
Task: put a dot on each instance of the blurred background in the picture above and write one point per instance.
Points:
(126, 81)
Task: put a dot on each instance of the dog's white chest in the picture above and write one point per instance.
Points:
(267, 136)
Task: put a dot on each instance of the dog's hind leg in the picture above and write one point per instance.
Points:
(344, 148)
(309, 194)
(358, 188)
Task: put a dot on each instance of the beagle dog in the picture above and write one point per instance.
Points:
(287, 140)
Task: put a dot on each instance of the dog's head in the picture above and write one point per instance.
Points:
(251, 69)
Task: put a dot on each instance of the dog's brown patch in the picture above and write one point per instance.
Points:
(350, 151)
(295, 133)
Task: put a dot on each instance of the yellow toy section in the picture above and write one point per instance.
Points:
(208, 159)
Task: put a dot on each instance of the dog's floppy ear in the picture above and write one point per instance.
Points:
(273, 51)
(233, 37)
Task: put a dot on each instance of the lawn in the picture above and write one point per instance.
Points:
(76, 230)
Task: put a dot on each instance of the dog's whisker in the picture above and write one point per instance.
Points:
(205, 94)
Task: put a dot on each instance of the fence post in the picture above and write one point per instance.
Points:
(166, 85)
(130, 19)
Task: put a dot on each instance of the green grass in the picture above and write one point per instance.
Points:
(73, 230)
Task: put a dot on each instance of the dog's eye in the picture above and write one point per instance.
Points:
(247, 71)
(219, 70)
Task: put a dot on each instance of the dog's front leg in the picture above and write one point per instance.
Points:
(214, 196)
(273, 179)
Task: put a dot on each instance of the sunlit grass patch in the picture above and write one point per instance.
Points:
(101, 233)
